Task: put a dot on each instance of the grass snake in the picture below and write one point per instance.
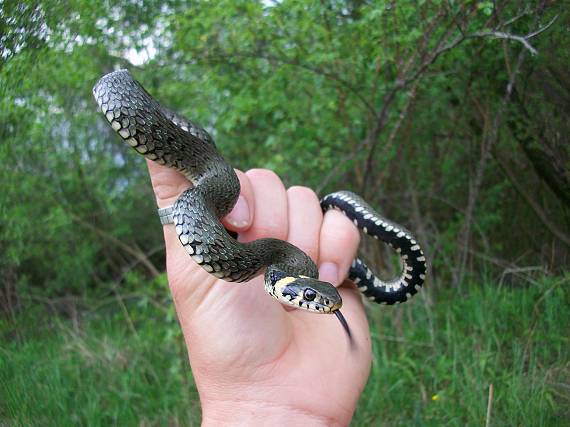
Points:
(290, 275)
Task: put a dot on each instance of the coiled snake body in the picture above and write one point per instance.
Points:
(290, 275)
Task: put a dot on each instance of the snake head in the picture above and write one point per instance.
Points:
(306, 293)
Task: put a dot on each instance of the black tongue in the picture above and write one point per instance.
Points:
(343, 322)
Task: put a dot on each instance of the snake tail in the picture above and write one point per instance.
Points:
(413, 261)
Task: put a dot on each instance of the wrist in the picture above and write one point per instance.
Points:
(262, 413)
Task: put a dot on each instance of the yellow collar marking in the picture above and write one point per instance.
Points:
(281, 283)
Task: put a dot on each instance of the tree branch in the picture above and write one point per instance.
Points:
(480, 34)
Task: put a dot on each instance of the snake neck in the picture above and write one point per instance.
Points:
(285, 258)
(219, 189)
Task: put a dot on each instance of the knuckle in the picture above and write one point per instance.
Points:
(301, 192)
(271, 231)
(262, 174)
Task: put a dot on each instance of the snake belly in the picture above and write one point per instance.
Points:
(169, 139)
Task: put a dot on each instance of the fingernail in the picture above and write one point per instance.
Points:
(239, 216)
(328, 272)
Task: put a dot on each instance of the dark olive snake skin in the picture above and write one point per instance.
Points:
(290, 275)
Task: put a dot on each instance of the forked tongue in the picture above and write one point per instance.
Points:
(343, 322)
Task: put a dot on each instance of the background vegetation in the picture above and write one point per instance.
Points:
(451, 117)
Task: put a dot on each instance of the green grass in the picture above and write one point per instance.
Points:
(111, 371)
(434, 362)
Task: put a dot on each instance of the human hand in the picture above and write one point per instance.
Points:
(256, 361)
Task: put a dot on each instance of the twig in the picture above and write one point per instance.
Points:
(125, 311)
(514, 19)
(479, 34)
(138, 261)
(507, 36)
(489, 406)
(517, 270)
(541, 30)
(503, 263)
(521, 39)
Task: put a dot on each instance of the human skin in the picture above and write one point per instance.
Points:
(255, 361)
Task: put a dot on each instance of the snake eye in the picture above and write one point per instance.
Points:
(309, 294)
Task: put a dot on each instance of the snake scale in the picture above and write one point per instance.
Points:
(290, 275)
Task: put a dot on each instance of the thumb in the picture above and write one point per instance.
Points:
(167, 185)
